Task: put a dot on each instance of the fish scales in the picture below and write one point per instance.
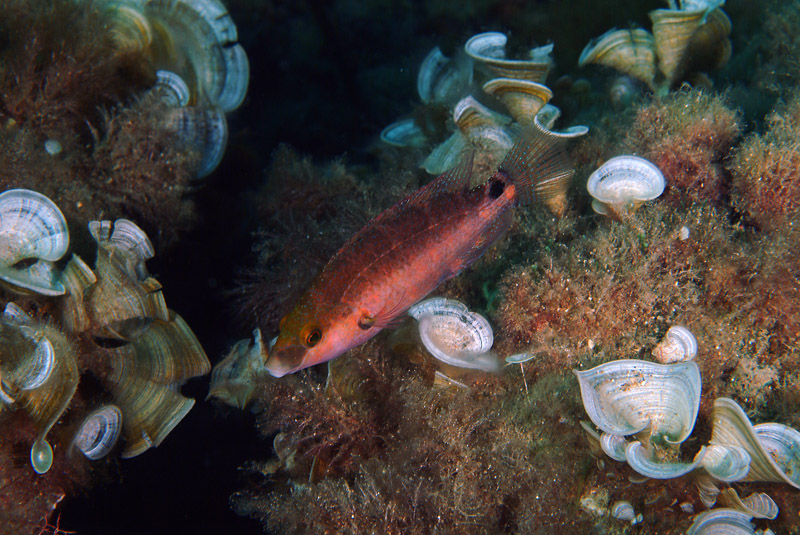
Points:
(402, 258)
(407, 251)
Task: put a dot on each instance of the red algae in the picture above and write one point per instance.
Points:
(687, 134)
(764, 167)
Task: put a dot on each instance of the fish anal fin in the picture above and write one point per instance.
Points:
(487, 239)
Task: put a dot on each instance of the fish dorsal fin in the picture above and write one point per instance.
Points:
(457, 178)
(454, 179)
(391, 315)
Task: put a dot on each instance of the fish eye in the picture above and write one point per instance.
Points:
(313, 337)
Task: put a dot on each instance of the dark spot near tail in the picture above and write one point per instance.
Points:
(496, 187)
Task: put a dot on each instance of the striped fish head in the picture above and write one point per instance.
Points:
(311, 336)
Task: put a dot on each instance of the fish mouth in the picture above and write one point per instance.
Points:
(285, 360)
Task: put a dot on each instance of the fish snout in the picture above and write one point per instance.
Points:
(285, 360)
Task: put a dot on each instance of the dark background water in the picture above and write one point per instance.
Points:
(326, 77)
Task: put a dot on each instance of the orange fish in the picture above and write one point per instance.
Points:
(407, 251)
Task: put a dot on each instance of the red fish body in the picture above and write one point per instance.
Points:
(407, 251)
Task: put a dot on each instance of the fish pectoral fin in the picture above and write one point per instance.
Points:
(391, 316)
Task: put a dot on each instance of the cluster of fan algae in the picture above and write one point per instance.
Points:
(92, 359)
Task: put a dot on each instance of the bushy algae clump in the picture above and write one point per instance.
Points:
(77, 124)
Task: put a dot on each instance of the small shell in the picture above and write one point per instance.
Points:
(40, 363)
(772, 447)
(442, 79)
(758, 505)
(522, 98)
(622, 92)
(454, 335)
(15, 314)
(237, 79)
(679, 344)
(347, 380)
(477, 121)
(726, 463)
(99, 432)
(625, 397)
(645, 462)
(629, 51)
(172, 89)
(721, 522)
(623, 510)
(709, 47)
(53, 147)
(489, 49)
(234, 378)
(624, 182)
(478, 127)
(404, 133)
(204, 131)
(782, 444)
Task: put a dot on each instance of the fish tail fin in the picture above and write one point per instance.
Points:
(539, 168)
